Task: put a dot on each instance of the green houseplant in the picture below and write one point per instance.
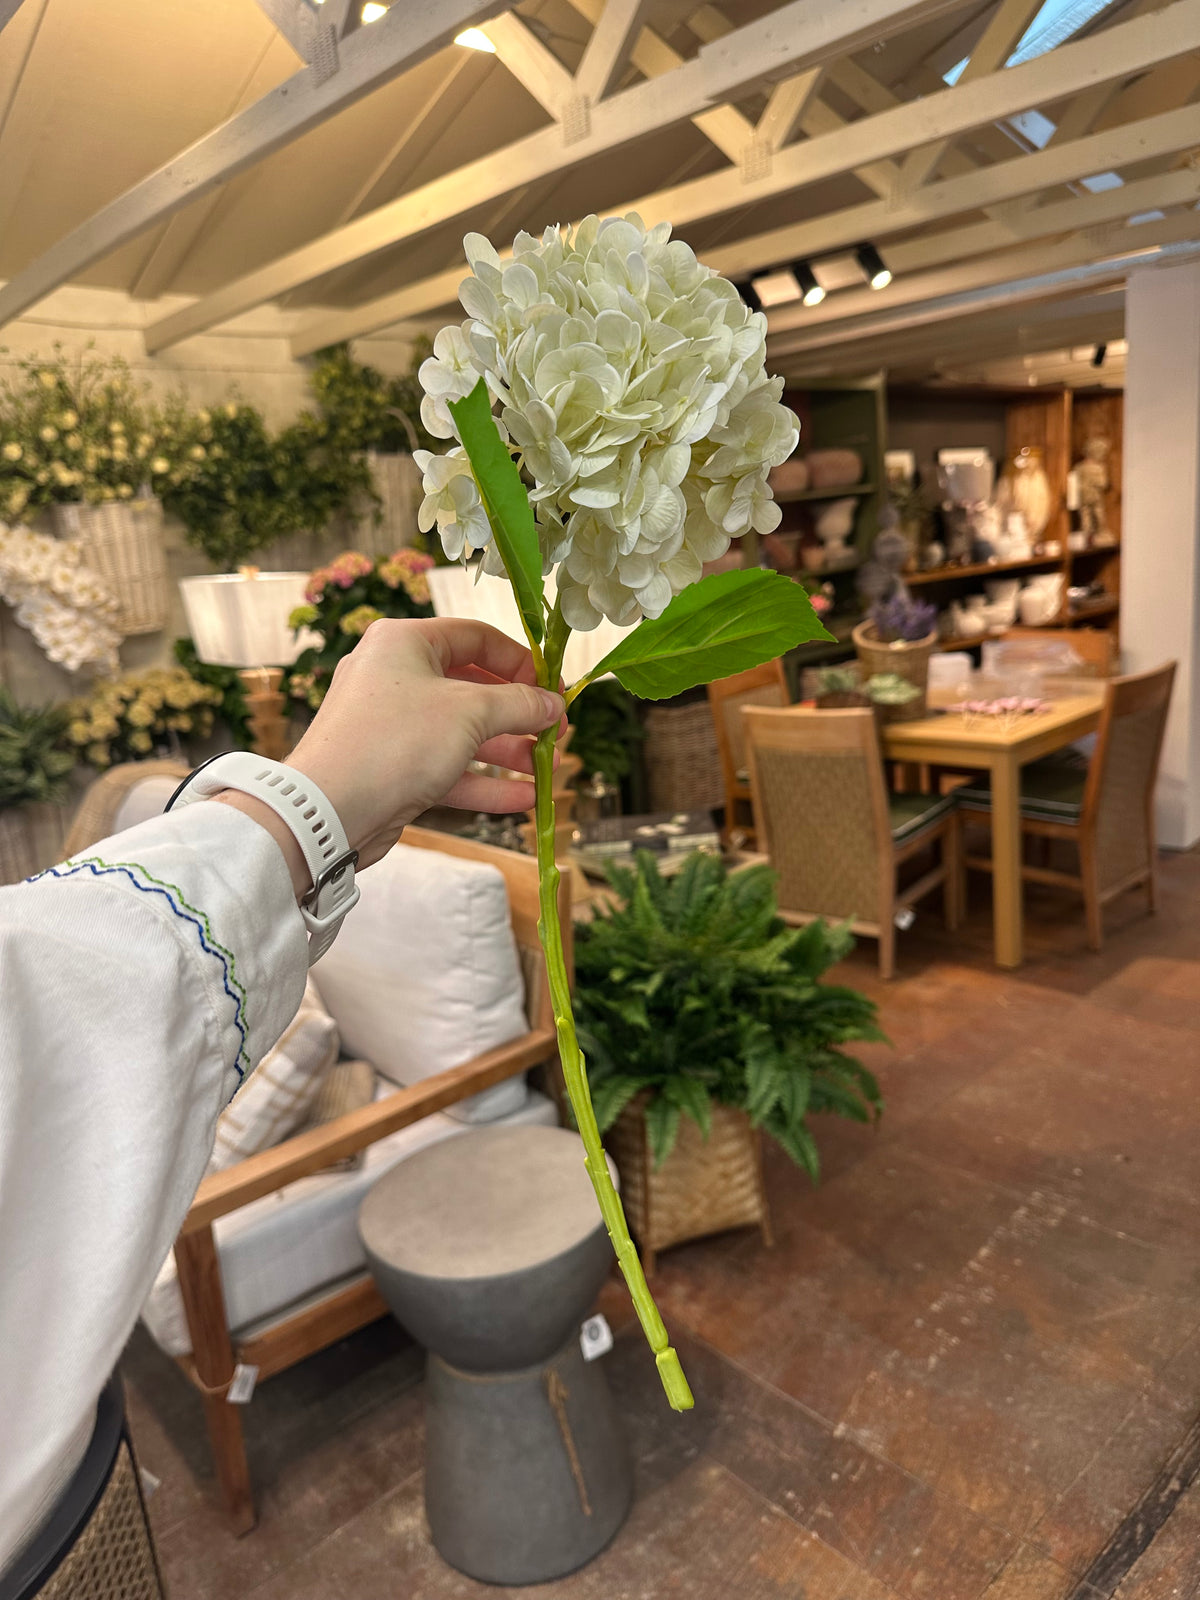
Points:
(34, 763)
(691, 993)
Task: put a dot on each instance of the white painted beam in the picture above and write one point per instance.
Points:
(535, 67)
(1097, 255)
(1163, 135)
(796, 34)
(1118, 52)
(1000, 38)
(614, 35)
(406, 35)
(306, 30)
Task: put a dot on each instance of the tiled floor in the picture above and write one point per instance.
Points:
(970, 1367)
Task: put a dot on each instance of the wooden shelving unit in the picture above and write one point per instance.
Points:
(981, 569)
(796, 496)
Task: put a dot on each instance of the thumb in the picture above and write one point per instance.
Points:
(516, 708)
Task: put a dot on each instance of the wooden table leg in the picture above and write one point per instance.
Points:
(1006, 862)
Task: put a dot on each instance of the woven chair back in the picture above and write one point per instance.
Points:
(760, 686)
(97, 814)
(821, 811)
(1119, 800)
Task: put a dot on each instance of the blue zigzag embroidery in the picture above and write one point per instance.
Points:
(186, 913)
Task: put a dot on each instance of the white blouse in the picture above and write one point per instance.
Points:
(139, 982)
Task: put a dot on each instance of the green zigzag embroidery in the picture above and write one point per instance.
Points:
(201, 919)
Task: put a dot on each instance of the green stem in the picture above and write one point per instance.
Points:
(574, 1072)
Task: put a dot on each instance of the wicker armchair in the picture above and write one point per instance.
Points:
(761, 686)
(1104, 806)
(832, 831)
(124, 795)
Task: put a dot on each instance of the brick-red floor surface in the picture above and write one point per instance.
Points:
(969, 1368)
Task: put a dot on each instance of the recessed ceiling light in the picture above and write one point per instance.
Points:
(475, 39)
(372, 12)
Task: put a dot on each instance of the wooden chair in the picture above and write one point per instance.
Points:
(215, 1351)
(1096, 647)
(99, 811)
(761, 686)
(1104, 806)
(832, 831)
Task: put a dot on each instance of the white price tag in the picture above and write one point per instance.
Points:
(595, 1338)
(241, 1385)
(905, 918)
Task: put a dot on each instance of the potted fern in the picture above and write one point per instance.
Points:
(34, 763)
(705, 1020)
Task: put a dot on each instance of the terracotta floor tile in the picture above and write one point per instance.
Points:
(1031, 1576)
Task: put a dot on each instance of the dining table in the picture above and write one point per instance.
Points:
(1001, 746)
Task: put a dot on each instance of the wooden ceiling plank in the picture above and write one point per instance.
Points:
(786, 104)
(369, 58)
(535, 68)
(1000, 38)
(614, 35)
(1167, 134)
(797, 33)
(8, 10)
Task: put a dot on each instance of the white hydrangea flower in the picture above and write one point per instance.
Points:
(67, 606)
(632, 386)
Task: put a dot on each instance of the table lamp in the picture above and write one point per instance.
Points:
(457, 592)
(240, 619)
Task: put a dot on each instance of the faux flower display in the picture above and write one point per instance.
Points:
(82, 430)
(127, 718)
(615, 424)
(67, 607)
(342, 600)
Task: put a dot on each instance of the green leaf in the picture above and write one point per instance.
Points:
(610, 1097)
(504, 500)
(662, 1124)
(691, 1096)
(721, 625)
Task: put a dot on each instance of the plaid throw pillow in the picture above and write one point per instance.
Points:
(347, 1086)
(278, 1098)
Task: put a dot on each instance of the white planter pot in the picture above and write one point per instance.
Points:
(122, 540)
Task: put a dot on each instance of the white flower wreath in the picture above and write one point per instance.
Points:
(67, 607)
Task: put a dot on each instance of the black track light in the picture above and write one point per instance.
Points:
(873, 267)
(811, 291)
(1099, 354)
(750, 295)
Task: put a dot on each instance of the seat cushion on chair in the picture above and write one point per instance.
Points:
(1051, 789)
(289, 1246)
(911, 814)
(425, 973)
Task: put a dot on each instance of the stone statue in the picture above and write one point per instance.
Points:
(1092, 484)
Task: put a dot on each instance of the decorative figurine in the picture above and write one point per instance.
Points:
(1092, 485)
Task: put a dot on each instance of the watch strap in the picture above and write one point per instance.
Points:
(310, 817)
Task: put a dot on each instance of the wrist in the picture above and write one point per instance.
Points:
(283, 836)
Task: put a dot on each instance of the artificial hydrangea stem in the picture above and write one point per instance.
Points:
(550, 931)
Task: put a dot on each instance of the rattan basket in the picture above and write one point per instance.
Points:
(704, 1186)
(683, 768)
(17, 855)
(113, 1558)
(398, 484)
(122, 540)
(909, 661)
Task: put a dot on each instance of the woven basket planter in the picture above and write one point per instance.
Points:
(18, 857)
(683, 769)
(122, 540)
(398, 485)
(704, 1186)
(907, 661)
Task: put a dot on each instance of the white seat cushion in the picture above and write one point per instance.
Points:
(145, 799)
(289, 1245)
(425, 973)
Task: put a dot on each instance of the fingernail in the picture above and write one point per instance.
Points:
(552, 705)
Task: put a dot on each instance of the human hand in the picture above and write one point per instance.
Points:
(406, 713)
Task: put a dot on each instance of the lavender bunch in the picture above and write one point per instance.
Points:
(901, 618)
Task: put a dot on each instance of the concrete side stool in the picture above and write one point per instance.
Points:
(490, 1250)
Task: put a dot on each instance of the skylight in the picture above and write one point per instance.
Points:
(1056, 21)
(1102, 181)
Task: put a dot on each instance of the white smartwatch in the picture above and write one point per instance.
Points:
(308, 814)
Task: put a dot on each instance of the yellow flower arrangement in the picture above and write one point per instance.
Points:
(130, 716)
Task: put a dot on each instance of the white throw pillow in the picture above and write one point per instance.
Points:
(425, 973)
(278, 1096)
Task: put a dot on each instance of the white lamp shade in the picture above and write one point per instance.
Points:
(457, 593)
(241, 620)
